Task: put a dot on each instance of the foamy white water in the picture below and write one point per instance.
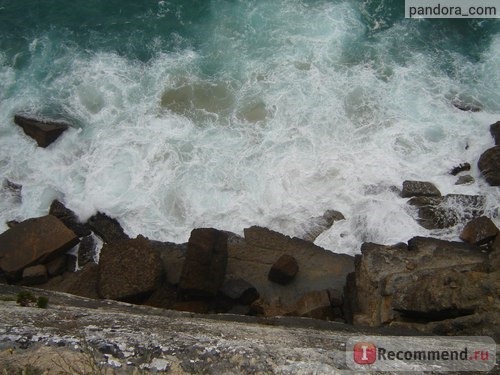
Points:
(294, 121)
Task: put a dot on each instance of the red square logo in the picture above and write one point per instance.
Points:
(365, 353)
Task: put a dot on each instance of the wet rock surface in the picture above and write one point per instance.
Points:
(447, 211)
(419, 189)
(489, 165)
(108, 228)
(43, 132)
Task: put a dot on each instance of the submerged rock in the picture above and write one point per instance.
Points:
(43, 132)
(468, 107)
(489, 165)
(320, 224)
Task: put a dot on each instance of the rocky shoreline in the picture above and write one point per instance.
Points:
(427, 285)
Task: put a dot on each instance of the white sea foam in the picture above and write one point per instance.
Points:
(330, 131)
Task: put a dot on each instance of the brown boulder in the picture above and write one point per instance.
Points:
(82, 283)
(35, 275)
(284, 270)
(495, 132)
(479, 231)
(57, 266)
(430, 295)
(107, 228)
(489, 165)
(419, 189)
(129, 270)
(204, 269)
(164, 297)
(385, 273)
(43, 132)
(32, 242)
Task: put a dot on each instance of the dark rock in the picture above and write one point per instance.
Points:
(69, 218)
(107, 228)
(240, 310)
(385, 277)
(129, 270)
(467, 107)
(86, 251)
(197, 306)
(204, 269)
(82, 283)
(479, 231)
(284, 270)
(110, 348)
(465, 180)
(12, 223)
(495, 132)
(447, 211)
(172, 256)
(494, 257)
(34, 275)
(32, 242)
(240, 290)
(461, 168)
(489, 165)
(320, 224)
(14, 190)
(349, 306)
(57, 266)
(71, 262)
(43, 132)
(419, 189)
(164, 297)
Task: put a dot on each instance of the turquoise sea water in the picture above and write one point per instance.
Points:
(235, 113)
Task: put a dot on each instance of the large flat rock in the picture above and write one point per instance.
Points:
(252, 257)
(34, 241)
